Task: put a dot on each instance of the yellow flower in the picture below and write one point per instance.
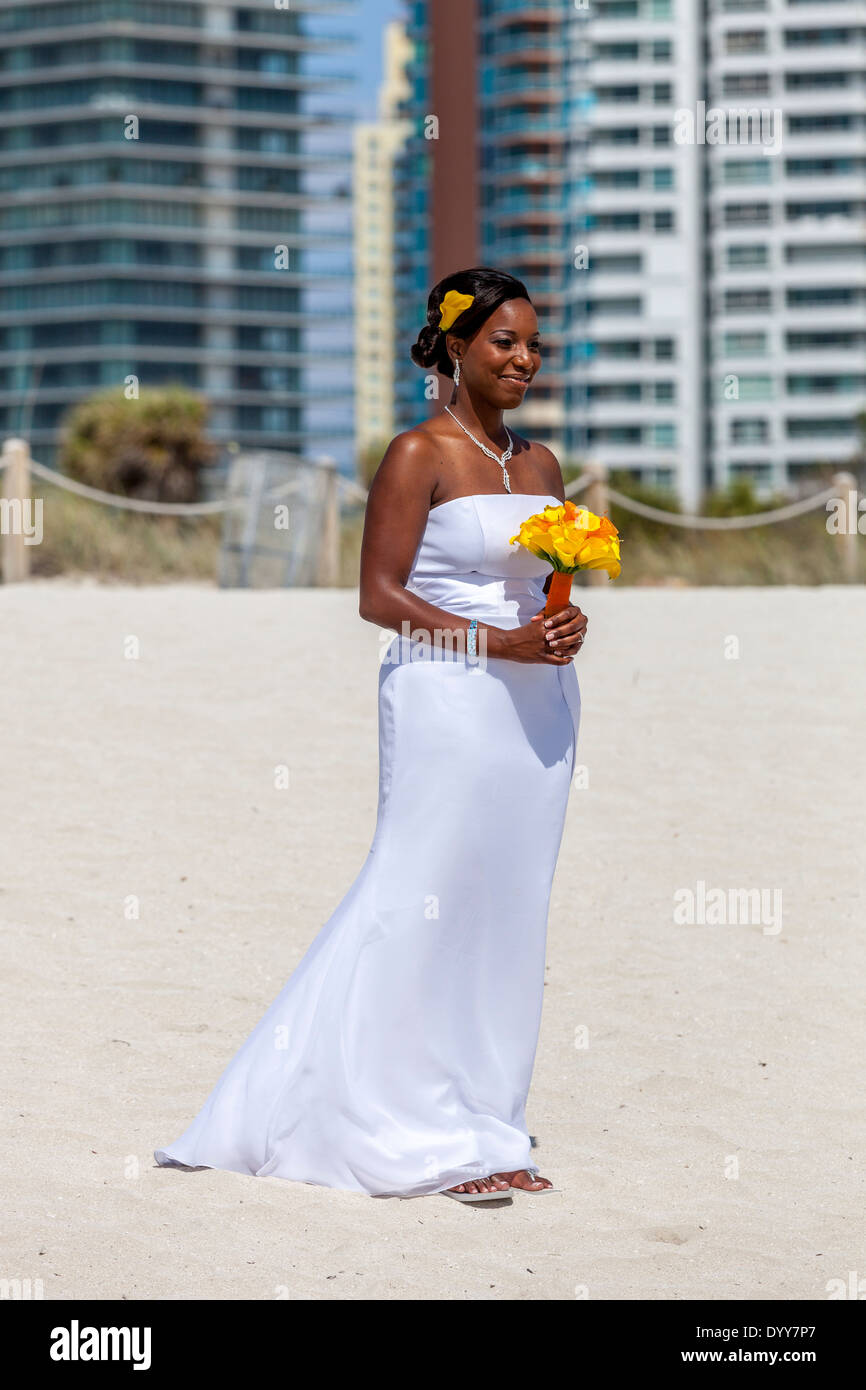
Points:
(600, 553)
(452, 306)
(572, 538)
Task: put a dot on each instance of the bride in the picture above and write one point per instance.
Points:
(397, 1059)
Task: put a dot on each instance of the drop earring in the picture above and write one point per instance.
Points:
(456, 373)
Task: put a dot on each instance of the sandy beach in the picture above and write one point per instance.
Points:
(698, 1088)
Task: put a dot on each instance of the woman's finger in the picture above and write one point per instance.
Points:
(566, 634)
(564, 615)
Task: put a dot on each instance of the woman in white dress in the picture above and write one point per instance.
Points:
(397, 1059)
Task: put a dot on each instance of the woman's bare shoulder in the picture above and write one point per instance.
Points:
(545, 461)
(410, 463)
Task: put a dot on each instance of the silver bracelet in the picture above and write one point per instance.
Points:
(471, 641)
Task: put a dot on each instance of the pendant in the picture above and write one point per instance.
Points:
(506, 479)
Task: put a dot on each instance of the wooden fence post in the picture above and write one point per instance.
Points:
(597, 501)
(16, 494)
(846, 488)
(328, 560)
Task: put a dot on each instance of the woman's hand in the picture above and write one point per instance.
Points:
(554, 641)
(564, 631)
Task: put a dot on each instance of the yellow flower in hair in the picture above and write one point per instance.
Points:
(452, 306)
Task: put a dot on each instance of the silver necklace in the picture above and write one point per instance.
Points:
(489, 452)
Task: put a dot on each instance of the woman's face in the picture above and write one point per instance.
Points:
(501, 359)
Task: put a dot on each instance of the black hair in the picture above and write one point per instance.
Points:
(490, 289)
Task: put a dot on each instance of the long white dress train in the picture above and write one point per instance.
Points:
(397, 1059)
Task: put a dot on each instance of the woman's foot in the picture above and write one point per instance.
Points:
(498, 1183)
(522, 1178)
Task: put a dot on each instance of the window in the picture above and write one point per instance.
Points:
(747, 171)
(623, 304)
(614, 391)
(615, 135)
(824, 168)
(616, 221)
(744, 344)
(618, 96)
(826, 427)
(747, 301)
(755, 388)
(616, 52)
(619, 350)
(830, 340)
(748, 431)
(614, 434)
(746, 214)
(746, 84)
(616, 178)
(74, 293)
(828, 36)
(751, 257)
(818, 79)
(819, 384)
(746, 41)
(825, 251)
(616, 265)
(824, 296)
(837, 207)
(759, 472)
(822, 122)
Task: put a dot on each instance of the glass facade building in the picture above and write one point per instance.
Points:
(527, 180)
(413, 170)
(174, 206)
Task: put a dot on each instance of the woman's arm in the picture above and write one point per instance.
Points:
(397, 510)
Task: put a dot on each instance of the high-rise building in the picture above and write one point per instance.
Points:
(175, 197)
(377, 144)
(435, 182)
(786, 217)
(636, 387)
(484, 179)
(527, 183)
(682, 186)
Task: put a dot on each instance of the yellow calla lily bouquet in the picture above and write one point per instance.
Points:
(570, 538)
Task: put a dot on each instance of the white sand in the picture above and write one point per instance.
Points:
(154, 777)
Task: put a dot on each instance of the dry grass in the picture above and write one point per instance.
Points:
(790, 552)
(82, 537)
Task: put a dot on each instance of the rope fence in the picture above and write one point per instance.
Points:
(139, 504)
(17, 465)
(722, 523)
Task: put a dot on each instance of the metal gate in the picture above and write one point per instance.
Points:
(282, 528)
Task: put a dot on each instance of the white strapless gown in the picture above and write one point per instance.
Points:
(397, 1058)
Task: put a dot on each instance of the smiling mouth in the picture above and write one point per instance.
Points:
(522, 380)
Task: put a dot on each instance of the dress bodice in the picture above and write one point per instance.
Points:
(465, 564)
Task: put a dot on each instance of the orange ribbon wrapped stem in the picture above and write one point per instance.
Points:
(559, 593)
